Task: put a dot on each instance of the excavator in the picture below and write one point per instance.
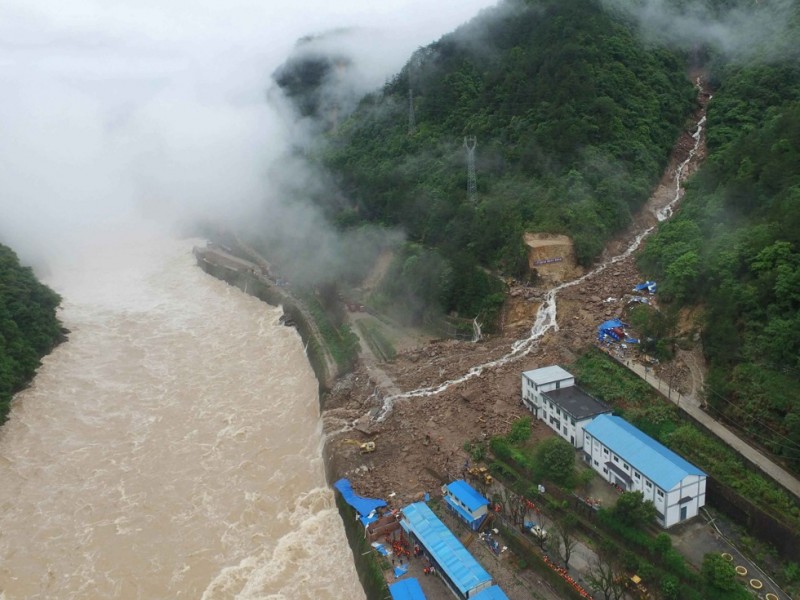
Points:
(480, 474)
(364, 447)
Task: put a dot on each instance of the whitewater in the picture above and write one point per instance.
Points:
(171, 448)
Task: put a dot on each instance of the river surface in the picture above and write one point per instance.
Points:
(171, 448)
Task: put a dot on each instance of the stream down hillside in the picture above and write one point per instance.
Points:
(460, 391)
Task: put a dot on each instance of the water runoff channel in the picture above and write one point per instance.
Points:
(546, 316)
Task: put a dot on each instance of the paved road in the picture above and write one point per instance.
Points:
(692, 406)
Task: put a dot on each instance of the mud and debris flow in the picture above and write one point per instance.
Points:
(547, 313)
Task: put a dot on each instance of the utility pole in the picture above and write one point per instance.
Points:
(470, 142)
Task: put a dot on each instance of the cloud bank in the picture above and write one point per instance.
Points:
(117, 112)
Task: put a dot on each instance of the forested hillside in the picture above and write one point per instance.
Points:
(573, 116)
(28, 325)
(734, 247)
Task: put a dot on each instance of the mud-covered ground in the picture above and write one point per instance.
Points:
(419, 442)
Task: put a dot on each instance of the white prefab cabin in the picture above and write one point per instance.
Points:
(551, 395)
(634, 461)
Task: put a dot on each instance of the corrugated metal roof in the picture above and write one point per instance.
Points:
(492, 593)
(407, 589)
(462, 568)
(653, 460)
(547, 375)
(467, 494)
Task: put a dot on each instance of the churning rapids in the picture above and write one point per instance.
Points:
(171, 448)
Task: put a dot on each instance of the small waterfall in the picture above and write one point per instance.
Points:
(477, 336)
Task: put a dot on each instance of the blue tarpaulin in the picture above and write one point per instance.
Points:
(614, 329)
(650, 286)
(365, 507)
(380, 548)
(400, 570)
(611, 324)
(408, 589)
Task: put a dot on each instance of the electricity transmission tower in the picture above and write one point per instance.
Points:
(412, 123)
(470, 142)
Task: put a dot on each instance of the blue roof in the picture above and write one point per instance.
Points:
(469, 518)
(460, 566)
(363, 506)
(407, 589)
(653, 460)
(492, 593)
(467, 494)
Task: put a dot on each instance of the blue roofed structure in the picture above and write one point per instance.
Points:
(456, 566)
(407, 589)
(365, 507)
(468, 505)
(632, 460)
(492, 593)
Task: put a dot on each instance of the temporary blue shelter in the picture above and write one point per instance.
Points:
(365, 507)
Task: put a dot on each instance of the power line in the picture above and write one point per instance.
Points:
(756, 420)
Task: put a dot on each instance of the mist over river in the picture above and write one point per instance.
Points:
(171, 448)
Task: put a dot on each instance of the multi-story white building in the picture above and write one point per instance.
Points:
(551, 395)
(634, 461)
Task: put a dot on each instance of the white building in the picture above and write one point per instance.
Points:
(631, 459)
(551, 395)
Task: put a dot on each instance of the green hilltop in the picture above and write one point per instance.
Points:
(574, 119)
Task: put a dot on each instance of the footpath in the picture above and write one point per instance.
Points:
(691, 406)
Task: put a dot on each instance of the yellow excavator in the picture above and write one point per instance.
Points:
(364, 447)
(480, 474)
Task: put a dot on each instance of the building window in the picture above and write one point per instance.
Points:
(625, 466)
(660, 493)
(649, 485)
(605, 451)
(615, 458)
(636, 475)
(596, 464)
(558, 412)
(605, 471)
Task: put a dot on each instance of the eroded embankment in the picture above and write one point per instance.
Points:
(247, 279)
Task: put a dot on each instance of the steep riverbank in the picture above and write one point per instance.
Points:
(248, 277)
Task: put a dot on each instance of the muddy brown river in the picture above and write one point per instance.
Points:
(171, 448)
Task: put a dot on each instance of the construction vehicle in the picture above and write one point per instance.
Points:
(481, 474)
(364, 447)
(636, 588)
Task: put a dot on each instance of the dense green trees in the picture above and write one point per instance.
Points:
(28, 325)
(574, 118)
(735, 249)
